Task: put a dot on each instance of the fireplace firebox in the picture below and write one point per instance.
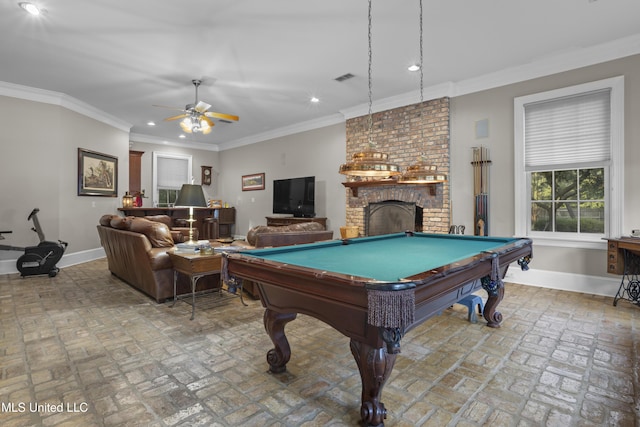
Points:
(392, 216)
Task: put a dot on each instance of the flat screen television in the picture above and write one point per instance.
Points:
(295, 196)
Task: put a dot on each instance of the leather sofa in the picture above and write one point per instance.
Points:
(136, 250)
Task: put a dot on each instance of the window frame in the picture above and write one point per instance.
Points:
(156, 156)
(614, 191)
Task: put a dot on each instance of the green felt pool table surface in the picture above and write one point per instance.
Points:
(386, 258)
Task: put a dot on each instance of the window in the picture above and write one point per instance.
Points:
(568, 164)
(170, 171)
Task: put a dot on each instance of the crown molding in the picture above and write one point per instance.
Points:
(552, 64)
(148, 139)
(57, 98)
(285, 131)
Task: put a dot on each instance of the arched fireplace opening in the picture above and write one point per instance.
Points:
(392, 216)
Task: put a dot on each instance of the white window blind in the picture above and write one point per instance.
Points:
(172, 172)
(568, 131)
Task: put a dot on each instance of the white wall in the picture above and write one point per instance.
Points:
(39, 168)
(318, 152)
(496, 105)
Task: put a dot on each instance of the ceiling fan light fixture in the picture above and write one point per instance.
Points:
(186, 125)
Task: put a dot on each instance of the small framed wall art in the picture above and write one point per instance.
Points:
(97, 174)
(253, 182)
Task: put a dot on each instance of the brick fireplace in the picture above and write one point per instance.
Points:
(404, 133)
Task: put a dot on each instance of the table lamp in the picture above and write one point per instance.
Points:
(191, 196)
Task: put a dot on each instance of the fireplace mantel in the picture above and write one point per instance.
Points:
(354, 185)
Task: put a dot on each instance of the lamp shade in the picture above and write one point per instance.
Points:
(191, 196)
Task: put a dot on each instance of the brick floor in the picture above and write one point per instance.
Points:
(85, 349)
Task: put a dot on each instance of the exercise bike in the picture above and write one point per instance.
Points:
(41, 259)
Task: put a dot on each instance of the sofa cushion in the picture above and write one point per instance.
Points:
(158, 234)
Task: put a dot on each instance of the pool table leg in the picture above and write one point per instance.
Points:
(491, 315)
(274, 323)
(375, 366)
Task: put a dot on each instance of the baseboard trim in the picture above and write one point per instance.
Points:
(596, 285)
(9, 266)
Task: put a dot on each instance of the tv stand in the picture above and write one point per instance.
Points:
(278, 221)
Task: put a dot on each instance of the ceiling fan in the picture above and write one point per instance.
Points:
(195, 117)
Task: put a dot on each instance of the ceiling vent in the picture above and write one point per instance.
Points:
(344, 77)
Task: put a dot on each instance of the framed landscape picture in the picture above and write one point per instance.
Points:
(97, 174)
(253, 182)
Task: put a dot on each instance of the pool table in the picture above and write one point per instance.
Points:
(373, 290)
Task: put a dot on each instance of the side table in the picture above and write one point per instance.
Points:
(196, 266)
(623, 257)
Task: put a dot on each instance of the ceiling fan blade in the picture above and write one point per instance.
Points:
(221, 116)
(208, 120)
(201, 107)
(178, 117)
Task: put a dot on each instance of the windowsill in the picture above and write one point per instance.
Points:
(597, 243)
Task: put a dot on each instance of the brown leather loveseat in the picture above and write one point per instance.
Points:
(294, 234)
(136, 250)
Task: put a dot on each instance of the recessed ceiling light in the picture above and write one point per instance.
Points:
(30, 7)
(314, 99)
(151, 124)
(182, 136)
(414, 67)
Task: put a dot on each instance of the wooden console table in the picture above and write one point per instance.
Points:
(224, 218)
(279, 221)
(623, 258)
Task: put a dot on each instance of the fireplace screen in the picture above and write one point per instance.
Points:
(391, 217)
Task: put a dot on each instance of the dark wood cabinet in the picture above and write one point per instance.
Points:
(135, 172)
(278, 221)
